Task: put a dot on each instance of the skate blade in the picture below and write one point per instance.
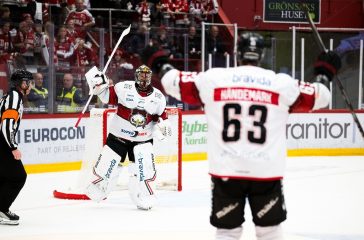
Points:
(9, 222)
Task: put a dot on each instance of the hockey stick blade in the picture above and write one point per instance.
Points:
(347, 101)
(123, 34)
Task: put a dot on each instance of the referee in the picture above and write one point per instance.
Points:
(12, 172)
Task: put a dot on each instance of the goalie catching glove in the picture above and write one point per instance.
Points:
(97, 81)
(163, 129)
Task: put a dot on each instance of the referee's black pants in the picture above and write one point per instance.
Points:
(12, 176)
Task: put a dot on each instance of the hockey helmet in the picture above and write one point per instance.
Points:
(143, 77)
(19, 76)
(251, 46)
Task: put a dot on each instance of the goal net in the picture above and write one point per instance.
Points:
(167, 155)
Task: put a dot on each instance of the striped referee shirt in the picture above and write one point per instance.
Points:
(11, 111)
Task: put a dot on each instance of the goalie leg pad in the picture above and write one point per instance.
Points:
(143, 174)
(105, 173)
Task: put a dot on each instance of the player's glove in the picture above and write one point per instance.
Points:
(327, 64)
(163, 129)
(97, 81)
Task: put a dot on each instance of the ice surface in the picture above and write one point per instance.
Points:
(324, 198)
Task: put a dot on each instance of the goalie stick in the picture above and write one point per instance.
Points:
(321, 44)
(123, 34)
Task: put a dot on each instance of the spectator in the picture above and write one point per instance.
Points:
(194, 43)
(120, 69)
(71, 31)
(24, 41)
(216, 47)
(143, 8)
(4, 15)
(6, 46)
(138, 41)
(167, 9)
(162, 40)
(203, 10)
(181, 10)
(38, 96)
(210, 7)
(70, 98)
(83, 58)
(83, 19)
(84, 55)
(39, 43)
(64, 48)
(48, 28)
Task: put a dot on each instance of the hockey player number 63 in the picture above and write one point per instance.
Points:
(254, 111)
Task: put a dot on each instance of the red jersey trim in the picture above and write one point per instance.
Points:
(246, 94)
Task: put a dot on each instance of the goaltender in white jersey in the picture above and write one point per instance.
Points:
(247, 108)
(136, 113)
(140, 114)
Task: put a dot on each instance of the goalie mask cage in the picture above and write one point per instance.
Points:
(168, 155)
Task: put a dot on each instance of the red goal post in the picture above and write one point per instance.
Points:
(168, 154)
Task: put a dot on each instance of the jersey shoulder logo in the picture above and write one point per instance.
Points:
(158, 95)
(128, 86)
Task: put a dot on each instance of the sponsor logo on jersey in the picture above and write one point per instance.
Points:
(158, 95)
(129, 97)
(250, 79)
(246, 94)
(128, 86)
(140, 104)
(141, 134)
(130, 133)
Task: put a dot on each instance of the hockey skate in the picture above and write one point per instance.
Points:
(9, 218)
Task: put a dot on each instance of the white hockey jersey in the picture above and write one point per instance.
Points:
(247, 108)
(136, 114)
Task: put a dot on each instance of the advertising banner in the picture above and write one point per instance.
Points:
(56, 140)
(51, 140)
(291, 11)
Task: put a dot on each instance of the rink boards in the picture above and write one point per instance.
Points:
(53, 144)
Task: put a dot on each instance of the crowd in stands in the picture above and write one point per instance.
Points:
(63, 33)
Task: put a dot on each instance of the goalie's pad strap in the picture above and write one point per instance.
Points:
(104, 174)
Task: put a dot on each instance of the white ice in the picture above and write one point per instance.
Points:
(324, 198)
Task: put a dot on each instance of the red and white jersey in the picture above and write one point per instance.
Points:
(247, 108)
(167, 6)
(27, 38)
(84, 57)
(64, 49)
(210, 6)
(80, 19)
(136, 114)
(181, 7)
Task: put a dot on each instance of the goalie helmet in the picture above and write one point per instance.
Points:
(143, 77)
(19, 76)
(251, 47)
